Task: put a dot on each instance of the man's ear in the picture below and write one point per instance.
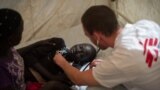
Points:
(97, 35)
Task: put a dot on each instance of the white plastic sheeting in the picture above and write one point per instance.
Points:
(133, 10)
(51, 18)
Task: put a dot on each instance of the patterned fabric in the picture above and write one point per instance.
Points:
(12, 71)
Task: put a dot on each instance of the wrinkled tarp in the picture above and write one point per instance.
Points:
(51, 18)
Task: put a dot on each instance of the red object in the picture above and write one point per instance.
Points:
(150, 50)
(34, 86)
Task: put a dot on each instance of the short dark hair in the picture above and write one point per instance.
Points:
(11, 27)
(100, 18)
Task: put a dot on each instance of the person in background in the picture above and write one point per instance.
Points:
(11, 63)
(134, 60)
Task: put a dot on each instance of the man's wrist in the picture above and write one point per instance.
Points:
(61, 63)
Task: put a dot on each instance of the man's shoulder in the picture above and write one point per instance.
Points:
(145, 21)
(141, 29)
(147, 24)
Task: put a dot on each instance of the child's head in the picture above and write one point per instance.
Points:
(11, 27)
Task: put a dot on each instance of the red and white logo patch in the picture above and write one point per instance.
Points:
(150, 50)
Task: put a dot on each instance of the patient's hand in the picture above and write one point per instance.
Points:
(95, 62)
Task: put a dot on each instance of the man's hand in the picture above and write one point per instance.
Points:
(77, 77)
(59, 59)
(95, 62)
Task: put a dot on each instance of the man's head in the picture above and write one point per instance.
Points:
(100, 20)
(11, 27)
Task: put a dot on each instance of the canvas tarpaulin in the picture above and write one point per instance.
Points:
(51, 18)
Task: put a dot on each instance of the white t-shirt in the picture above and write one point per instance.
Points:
(135, 59)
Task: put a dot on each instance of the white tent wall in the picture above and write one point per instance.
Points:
(50, 18)
(133, 10)
(61, 18)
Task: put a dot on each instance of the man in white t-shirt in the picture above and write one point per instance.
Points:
(134, 60)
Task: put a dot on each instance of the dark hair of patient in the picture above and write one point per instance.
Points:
(11, 28)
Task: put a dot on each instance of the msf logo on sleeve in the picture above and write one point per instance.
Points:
(151, 50)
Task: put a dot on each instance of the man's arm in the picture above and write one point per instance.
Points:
(76, 76)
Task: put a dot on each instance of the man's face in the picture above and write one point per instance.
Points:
(93, 38)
